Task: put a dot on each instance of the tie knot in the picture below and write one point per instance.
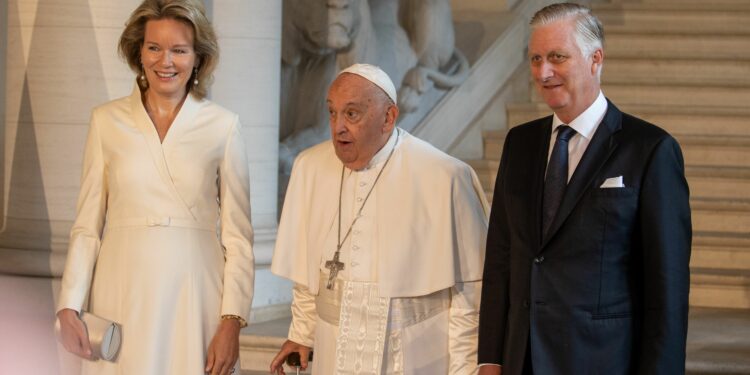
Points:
(565, 132)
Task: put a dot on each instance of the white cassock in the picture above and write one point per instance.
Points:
(407, 300)
(145, 246)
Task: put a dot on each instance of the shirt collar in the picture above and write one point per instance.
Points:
(587, 122)
(383, 153)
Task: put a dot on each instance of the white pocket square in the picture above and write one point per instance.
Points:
(613, 182)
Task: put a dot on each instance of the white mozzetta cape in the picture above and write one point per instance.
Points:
(431, 224)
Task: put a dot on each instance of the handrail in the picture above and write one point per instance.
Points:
(461, 106)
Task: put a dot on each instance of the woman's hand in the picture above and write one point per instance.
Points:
(224, 349)
(73, 333)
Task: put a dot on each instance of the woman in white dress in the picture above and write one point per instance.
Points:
(162, 239)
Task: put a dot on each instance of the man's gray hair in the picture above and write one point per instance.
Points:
(589, 31)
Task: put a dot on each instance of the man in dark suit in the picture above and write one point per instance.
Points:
(587, 266)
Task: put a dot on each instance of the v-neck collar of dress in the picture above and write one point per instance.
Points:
(185, 115)
(157, 148)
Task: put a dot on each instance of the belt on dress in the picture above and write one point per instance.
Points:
(160, 221)
(405, 311)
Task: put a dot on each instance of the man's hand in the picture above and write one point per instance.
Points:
(224, 348)
(277, 365)
(490, 370)
(73, 334)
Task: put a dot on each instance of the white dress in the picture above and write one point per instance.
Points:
(162, 240)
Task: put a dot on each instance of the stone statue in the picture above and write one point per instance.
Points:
(412, 40)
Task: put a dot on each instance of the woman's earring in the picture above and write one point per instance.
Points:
(143, 75)
(195, 76)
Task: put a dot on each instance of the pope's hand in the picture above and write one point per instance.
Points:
(73, 333)
(224, 349)
(277, 365)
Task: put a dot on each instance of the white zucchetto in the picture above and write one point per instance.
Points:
(375, 75)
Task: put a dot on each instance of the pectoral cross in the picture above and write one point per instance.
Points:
(334, 266)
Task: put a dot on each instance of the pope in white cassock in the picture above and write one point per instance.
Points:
(383, 236)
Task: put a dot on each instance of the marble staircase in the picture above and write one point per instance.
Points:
(685, 66)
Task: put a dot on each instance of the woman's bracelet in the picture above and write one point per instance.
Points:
(243, 322)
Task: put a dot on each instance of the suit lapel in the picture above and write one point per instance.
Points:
(539, 152)
(597, 153)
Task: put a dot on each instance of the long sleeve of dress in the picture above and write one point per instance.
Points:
(304, 316)
(85, 236)
(463, 323)
(236, 230)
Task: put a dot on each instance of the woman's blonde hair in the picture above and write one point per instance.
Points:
(192, 13)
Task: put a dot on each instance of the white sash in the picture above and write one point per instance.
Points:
(366, 321)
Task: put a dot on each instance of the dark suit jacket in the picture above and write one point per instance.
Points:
(606, 291)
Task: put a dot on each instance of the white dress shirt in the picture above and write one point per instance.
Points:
(585, 126)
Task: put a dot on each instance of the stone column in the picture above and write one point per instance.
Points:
(60, 62)
(248, 83)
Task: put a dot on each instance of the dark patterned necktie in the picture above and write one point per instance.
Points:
(556, 179)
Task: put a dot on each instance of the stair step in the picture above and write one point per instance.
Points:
(728, 73)
(720, 217)
(486, 172)
(720, 250)
(720, 257)
(719, 182)
(714, 276)
(493, 149)
(738, 205)
(714, 3)
(686, 20)
(672, 5)
(677, 46)
(674, 119)
(704, 238)
(718, 342)
(673, 95)
(711, 287)
(715, 151)
(260, 342)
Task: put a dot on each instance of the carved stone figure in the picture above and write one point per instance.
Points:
(412, 40)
